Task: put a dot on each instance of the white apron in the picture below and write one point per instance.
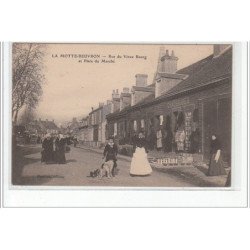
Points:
(140, 164)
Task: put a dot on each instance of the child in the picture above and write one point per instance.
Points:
(110, 153)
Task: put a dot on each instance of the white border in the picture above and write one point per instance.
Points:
(130, 197)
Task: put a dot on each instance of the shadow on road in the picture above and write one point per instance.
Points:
(20, 160)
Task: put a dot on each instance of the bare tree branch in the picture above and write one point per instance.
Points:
(27, 75)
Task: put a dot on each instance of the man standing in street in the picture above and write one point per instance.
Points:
(110, 153)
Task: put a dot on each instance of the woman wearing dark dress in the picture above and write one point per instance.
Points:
(216, 165)
(61, 148)
(47, 146)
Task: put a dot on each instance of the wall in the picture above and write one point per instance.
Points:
(189, 102)
(137, 96)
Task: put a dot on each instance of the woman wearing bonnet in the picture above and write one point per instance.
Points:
(215, 165)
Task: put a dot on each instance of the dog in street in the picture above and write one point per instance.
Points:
(95, 173)
(106, 169)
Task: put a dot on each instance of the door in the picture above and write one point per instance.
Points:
(209, 125)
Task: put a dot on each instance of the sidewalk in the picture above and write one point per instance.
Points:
(195, 173)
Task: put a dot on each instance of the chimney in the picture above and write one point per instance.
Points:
(141, 80)
(115, 94)
(220, 49)
(101, 104)
(115, 101)
(168, 63)
(125, 99)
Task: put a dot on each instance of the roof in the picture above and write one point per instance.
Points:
(190, 69)
(95, 110)
(202, 73)
(171, 75)
(207, 70)
(147, 99)
(144, 89)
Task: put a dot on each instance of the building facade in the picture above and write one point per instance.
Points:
(184, 107)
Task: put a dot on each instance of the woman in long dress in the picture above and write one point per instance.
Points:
(216, 165)
(47, 149)
(140, 165)
(61, 148)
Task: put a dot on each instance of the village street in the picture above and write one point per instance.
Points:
(28, 170)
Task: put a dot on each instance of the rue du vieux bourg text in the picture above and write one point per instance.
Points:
(97, 58)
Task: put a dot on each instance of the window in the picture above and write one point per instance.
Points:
(115, 129)
(161, 119)
(142, 123)
(135, 125)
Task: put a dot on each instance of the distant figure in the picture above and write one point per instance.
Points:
(216, 165)
(38, 141)
(55, 148)
(61, 148)
(140, 165)
(110, 153)
(47, 149)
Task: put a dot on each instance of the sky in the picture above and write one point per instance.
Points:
(77, 78)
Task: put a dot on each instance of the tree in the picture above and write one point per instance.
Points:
(27, 76)
(27, 116)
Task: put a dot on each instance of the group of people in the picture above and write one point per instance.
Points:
(54, 148)
(139, 165)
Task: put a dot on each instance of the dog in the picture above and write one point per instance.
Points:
(95, 173)
(106, 169)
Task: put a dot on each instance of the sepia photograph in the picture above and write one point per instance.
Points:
(121, 115)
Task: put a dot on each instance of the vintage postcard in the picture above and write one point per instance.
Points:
(121, 115)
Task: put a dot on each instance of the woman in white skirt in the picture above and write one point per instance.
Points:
(140, 165)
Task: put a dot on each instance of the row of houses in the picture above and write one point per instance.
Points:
(37, 128)
(179, 110)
